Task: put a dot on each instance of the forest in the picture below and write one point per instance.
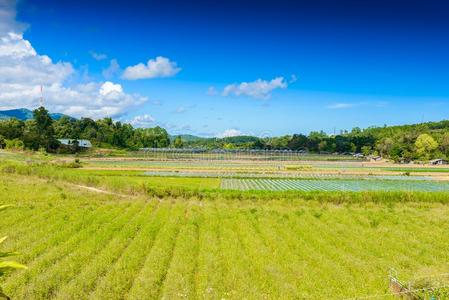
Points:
(42, 132)
(402, 143)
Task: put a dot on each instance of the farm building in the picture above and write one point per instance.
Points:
(81, 143)
(375, 158)
(438, 161)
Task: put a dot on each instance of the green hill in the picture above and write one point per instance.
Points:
(24, 114)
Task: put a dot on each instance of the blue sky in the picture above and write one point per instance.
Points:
(308, 65)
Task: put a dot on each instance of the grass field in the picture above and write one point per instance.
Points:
(180, 237)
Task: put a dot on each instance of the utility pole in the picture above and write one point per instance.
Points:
(42, 97)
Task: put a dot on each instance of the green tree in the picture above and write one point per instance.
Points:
(352, 147)
(2, 142)
(297, 142)
(12, 128)
(444, 144)
(178, 143)
(40, 133)
(228, 146)
(425, 146)
(366, 150)
(384, 146)
(64, 128)
(14, 144)
(322, 146)
(31, 136)
(279, 142)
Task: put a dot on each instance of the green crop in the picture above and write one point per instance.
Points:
(7, 265)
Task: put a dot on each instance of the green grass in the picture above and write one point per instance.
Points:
(122, 179)
(135, 183)
(78, 244)
(177, 237)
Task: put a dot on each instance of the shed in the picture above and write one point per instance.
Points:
(81, 143)
(438, 161)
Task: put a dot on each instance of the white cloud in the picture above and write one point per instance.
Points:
(20, 64)
(142, 121)
(229, 133)
(341, 105)
(259, 89)
(183, 109)
(112, 70)
(23, 71)
(212, 91)
(98, 56)
(186, 128)
(293, 78)
(180, 110)
(8, 21)
(109, 89)
(159, 67)
(155, 102)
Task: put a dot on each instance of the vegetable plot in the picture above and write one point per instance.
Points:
(333, 185)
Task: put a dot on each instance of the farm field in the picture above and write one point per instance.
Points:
(80, 244)
(120, 234)
(333, 185)
(251, 168)
(205, 174)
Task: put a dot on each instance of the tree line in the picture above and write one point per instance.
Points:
(404, 143)
(401, 143)
(42, 132)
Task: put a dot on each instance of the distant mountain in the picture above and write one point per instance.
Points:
(24, 114)
(188, 138)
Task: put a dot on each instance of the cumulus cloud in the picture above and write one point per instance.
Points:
(20, 64)
(229, 133)
(112, 70)
(8, 21)
(98, 56)
(154, 68)
(23, 71)
(145, 120)
(259, 89)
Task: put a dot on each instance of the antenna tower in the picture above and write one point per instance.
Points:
(41, 100)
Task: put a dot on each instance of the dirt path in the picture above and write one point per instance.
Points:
(97, 190)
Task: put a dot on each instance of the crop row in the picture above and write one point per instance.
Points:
(83, 245)
(332, 185)
(203, 174)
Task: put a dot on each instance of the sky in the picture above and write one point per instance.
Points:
(223, 68)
